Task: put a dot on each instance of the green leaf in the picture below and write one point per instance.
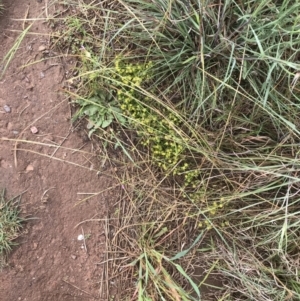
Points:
(94, 99)
(106, 123)
(184, 252)
(91, 110)
(121, 119)
(91, 132)
(99, 122)
(80, 101)
(161, 232)
(115, 109)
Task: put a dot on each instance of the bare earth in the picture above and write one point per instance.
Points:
(49, 263)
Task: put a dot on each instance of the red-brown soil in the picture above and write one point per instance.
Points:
(49, 263)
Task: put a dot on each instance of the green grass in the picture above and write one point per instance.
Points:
(209, 100)
(10, 225)
(12, 51)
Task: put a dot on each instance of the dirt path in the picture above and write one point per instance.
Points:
(50, 263)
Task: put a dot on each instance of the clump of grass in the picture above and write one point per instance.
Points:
(222, 91)
(143, 251)
(10, 225)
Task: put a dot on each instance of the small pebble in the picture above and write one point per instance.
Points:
(73, 257)
(34, 130)
(42, 75)
(29, 168)
(42, 48)
(80, 237)
(15, 132)
(7, 109)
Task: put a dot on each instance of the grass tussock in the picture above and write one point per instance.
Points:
(10, 225)
(202, 97)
